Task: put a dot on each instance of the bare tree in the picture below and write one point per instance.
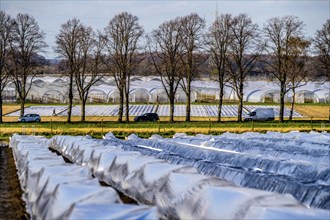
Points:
(123, 33)
(278, 44)
(322, 50)
(297, 69)
(6, 26)
(67, 46)
(88, 64)
(243, 52)
(27, 42)
(192, 33)
(166, 51)
(219, 39)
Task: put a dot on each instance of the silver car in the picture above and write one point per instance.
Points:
(30, 118)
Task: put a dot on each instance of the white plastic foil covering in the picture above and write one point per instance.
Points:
(165, 173)
(55, 189)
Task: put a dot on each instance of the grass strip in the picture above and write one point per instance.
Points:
(146, 129)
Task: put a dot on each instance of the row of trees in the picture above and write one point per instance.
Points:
(177, 51)
(88, 55)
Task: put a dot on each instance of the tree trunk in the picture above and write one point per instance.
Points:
(22, 101)
(220, 103)
(188, 102)
(121, 106)
(240, 108)
(292, 104)
(240, 103)
(127, 88)
(70, 98)
(83, 110)
(127, 105)
(188, 108)
(1, 107)
(172, 97)
(282, 95)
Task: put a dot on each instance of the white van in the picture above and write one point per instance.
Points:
(261, 114)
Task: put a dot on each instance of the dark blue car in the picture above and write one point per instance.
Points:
(147, 117)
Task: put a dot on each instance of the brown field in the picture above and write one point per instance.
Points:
(10, 108)
(314, 111)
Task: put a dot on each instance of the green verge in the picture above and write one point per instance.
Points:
(146, 129)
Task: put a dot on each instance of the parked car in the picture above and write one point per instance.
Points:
(147, 117)
(30, 118)
(261, 114)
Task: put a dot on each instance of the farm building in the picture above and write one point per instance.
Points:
(264, 96)
(139, 95)
(53, 96)
(305, 96)
(97, 96)
(9, 94)
(322, 95)
(158, 95)
(150, 90)
(113, 96)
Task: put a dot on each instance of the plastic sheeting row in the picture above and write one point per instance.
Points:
(289, 163)
(311, 147)
(178, 191)
(55, 189)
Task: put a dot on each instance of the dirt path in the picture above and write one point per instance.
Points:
(11, 204)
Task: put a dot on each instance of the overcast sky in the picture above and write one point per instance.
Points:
(51, 14)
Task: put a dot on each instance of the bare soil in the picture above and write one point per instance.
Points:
(11, 204)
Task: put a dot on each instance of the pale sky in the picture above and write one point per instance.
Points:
(50, 14)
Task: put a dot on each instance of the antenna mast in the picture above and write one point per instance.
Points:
(216, 10)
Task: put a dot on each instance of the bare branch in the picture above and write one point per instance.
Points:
(280, 44)
(27, 42)
(166, 49)
(123, 34)
(243, 52)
